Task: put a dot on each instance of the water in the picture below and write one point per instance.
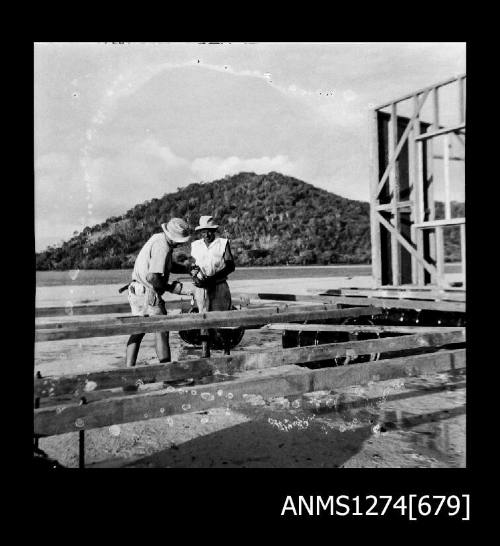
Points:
(117, 276)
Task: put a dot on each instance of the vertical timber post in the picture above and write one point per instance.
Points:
(421, 207)
(461, 99)
(417, 269)
(462, 250)
(37, 405)
(446, 166)
(374, 180)
(439, 255)
(429, 183)
(429, 145)
(394, 189)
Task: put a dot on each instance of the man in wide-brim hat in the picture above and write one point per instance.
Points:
(152, 268)
(213, 263)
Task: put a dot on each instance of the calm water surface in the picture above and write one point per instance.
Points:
(116, 276)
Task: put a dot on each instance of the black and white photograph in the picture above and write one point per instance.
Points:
(250, 255)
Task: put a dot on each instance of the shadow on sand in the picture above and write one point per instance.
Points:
(277, 439)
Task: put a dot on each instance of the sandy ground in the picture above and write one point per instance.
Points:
(419, 422)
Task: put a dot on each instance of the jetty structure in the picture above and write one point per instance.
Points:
(411, 322)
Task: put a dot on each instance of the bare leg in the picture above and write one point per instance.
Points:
(162, 346)
(133, 344)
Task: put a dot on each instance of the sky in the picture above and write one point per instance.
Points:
(118, 124)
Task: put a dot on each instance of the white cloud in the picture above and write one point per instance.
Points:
(150, 146)
(211, 168)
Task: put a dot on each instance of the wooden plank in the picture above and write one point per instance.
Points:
(283, 381)
(450, 157)
(407, 245)
(394, 188)
(461, 99)
(404, 288)
(462, 250)
(421, 181)
(446, 130)
(132, 319)
(391, 206)
(404, 292)
(378, 328)
(335, 298)
(79, 385)
(374, 201)
(415, 186)
(440, 255)
(434, 223)
(435, 108)
(383, 370)
(430, 182)
(418, 235)
(135, 320)
(293, 297)
(82, 310)
(419, 91)
(455, 307)
(392, 162)
(429, 294)
(446, 167)
(212, 319)
(112, 308)
(431, 235)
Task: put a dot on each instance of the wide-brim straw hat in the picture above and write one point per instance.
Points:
(177, 230)
(206, 222)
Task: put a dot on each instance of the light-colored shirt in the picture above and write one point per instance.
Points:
(210, 259)
(155, 257)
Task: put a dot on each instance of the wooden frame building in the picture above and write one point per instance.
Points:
(408, 239)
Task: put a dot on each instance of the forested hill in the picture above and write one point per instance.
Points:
(271, 219)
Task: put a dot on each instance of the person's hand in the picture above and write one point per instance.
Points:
(207, 282)
(198, 282)
(176, 287)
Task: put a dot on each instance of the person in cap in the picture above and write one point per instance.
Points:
(152, 268)
(213, 263)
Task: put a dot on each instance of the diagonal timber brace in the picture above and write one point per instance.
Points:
(411, 249)
(403, 139)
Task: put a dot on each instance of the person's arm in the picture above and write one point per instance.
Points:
(155, 276)
(157, 281)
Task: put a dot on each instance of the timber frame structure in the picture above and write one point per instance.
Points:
(407, 240)
(85, 401)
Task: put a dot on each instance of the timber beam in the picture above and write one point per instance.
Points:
(282, 381)
(350, 328)
(212, 319)
(83, 384)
